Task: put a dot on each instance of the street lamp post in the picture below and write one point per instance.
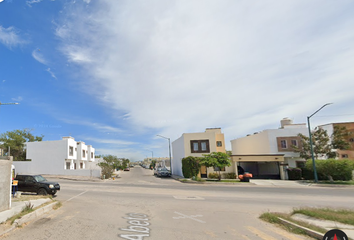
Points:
(311, 145)
(169, 149)
(8, 103)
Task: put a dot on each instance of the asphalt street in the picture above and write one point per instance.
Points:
(140, 206)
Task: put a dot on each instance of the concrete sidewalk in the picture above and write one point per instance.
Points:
(276, 182)
(16, 208)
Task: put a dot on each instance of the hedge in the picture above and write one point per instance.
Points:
(330, 168)
(190, 166)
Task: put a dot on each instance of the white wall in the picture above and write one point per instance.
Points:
(178, 152)
(50, 157)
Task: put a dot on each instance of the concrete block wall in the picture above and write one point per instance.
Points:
(5, 184)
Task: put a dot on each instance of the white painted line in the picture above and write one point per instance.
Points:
(190, 217)
(75, 196)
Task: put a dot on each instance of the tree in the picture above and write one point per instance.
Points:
(16, 141)
(339, 138)
(322, 143)
(217, 160)
(108, 165)
(190, 166)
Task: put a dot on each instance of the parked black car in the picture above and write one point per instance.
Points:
(37, 184)
(163, 172)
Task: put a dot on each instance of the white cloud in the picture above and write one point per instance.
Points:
(98, 126)
(29, 3)
(182, 66)
(10, 37)
(107, 141)
(51, 73)
(36, 54)
(18, 99)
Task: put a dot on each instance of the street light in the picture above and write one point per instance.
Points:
(169, 150)
(8, 103)
(313, 158)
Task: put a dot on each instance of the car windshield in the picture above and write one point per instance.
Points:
(39, 178)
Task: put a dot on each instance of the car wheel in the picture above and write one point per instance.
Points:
(42, 191)
(54, 193)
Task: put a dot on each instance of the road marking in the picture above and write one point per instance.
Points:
(76, 196)
(193, 217)
(284, 234)
(260, 233)
(188, 197)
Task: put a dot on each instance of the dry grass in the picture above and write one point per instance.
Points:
(340, 215)
(29, 197)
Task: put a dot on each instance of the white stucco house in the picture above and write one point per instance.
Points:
(60, 157)
(267, 154)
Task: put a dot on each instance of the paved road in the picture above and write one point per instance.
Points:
(141, 205)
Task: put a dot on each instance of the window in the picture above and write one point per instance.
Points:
(83, 153)
(92, 155)
(294, 142)
(219, 143)
(351, 139)
(300, 164)
(283, 143)
(71, 151)
(200, 146)
(67, 165)
(344, 155)
(217, 169)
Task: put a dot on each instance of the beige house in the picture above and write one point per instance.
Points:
(268, 154)
(197, 144)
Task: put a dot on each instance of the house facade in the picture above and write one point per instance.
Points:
(267, 154)
(61, 157)
(342, 154)
(197, 144)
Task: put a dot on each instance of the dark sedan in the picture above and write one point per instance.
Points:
(163, 172)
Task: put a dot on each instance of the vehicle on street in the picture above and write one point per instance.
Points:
(156, 170)
(163, 172)
(37, 184)
(127, 169)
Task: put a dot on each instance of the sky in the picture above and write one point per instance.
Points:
(115, 74)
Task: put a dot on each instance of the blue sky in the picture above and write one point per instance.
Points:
(114, 74)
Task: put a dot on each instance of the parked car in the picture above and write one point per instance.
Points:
(163, 172)
(37, 184)
(156, 170)
(127, 169)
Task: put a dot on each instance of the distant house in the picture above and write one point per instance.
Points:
(342, 154)
(61, 157)
(197, 144)
(267, 154)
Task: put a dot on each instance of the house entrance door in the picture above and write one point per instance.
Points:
(203, 172)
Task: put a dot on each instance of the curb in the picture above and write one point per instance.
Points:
(29, 217)
(308, 231)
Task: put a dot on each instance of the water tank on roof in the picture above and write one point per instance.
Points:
(285, 121)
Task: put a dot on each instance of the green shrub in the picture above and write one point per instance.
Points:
(294, 173)
(330, 169)
(190, 166)
(213, 175)
(229, 175)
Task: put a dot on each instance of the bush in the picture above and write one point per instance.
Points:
(330, 169)
(190, 166)
(294, 173)
(213, 175)
(229, 175)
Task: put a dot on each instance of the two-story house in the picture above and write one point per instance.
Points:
(59, 157)
(342, 154)
(267, 154)
(197, 144)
